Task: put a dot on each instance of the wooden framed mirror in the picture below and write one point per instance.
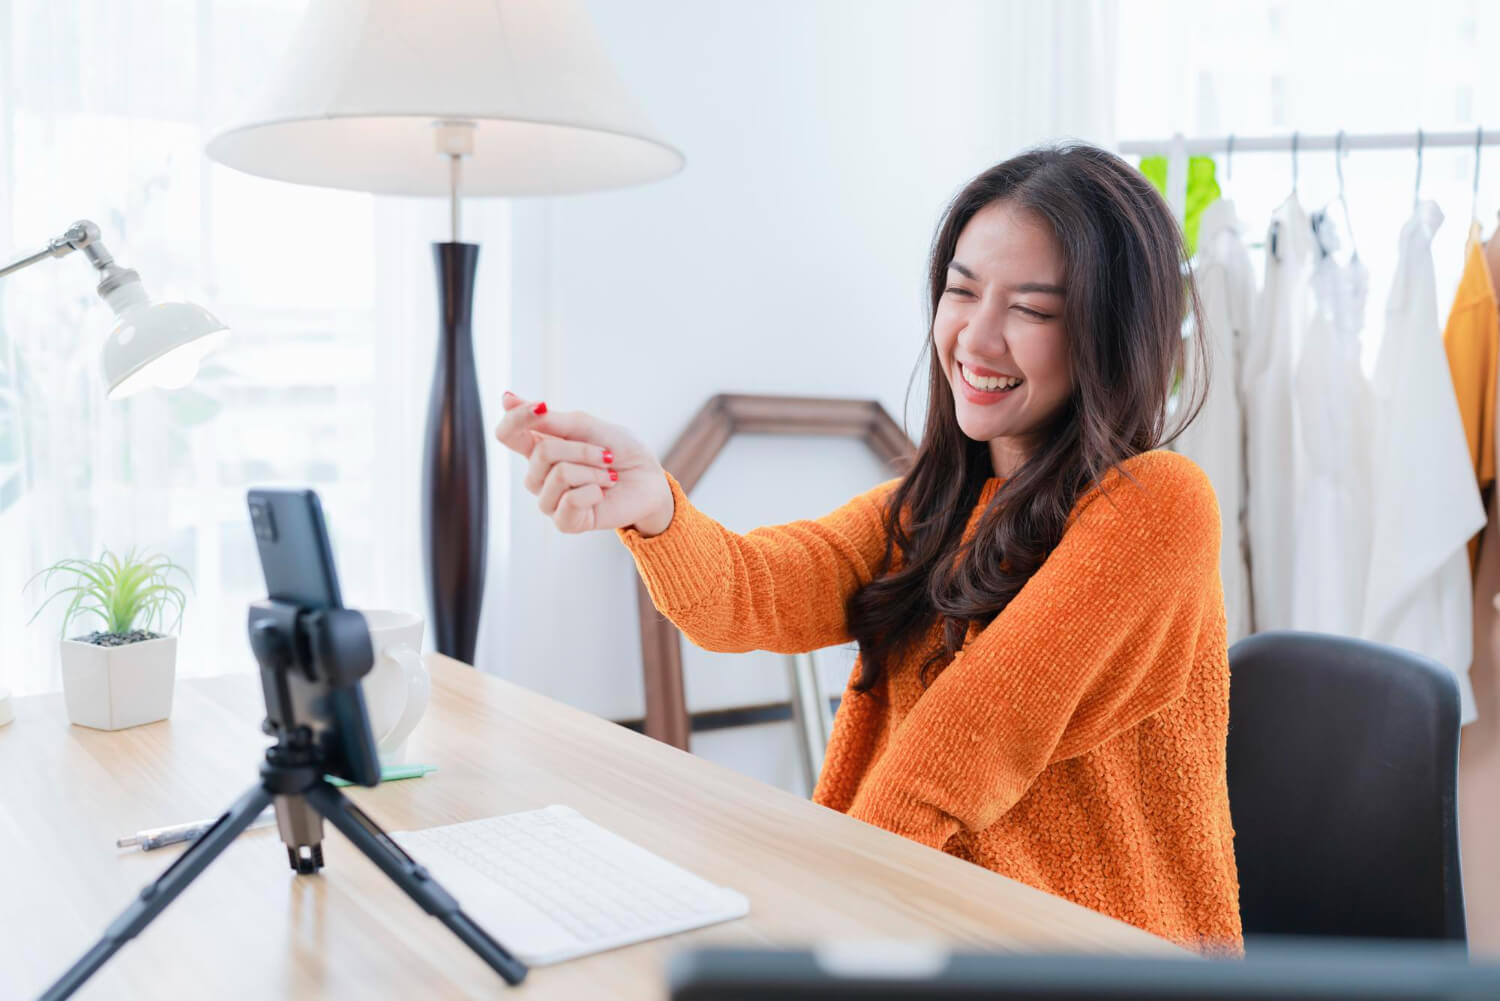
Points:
(721, 418)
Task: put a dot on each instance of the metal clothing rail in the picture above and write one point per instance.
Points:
(1301, 142)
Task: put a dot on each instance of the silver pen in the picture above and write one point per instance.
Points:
(160, 837)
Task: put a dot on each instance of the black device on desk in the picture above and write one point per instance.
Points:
(312, 654)
(1274, 971)
(315, 687)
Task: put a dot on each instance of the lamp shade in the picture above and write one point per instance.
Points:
(155, 343)
(356, 101)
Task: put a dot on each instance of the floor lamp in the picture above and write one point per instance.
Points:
(471, 97)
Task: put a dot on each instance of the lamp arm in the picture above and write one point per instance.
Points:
(82, 235)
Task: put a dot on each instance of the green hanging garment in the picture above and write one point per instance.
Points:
(1202, 190)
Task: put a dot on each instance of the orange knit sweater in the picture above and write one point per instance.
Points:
(1075, 744)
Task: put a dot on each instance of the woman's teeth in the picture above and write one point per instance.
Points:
(988, 383)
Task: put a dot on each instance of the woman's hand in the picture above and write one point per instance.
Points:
(586, 474)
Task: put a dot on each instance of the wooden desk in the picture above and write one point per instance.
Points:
(249, 927)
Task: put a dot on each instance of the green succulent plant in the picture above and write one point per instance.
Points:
(126, 594)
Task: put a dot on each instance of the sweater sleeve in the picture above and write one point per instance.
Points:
(1102, 636)
(780, 588)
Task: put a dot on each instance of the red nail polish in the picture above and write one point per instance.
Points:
(608, 457)
(614, 474)
(539, 409)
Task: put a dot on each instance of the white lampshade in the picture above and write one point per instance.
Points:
(155, 343)
(355, 102)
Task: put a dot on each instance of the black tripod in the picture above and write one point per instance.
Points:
(292, 778)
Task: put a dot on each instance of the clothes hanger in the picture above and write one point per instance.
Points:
(1295, 137)
(1338, 165)
(1416, 195)
(1177, 177)
(1492, 245)
(1478, 146)
(1228, 165)
(1274, 238)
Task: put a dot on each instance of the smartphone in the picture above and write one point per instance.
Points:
(302, 588)
(295, 554)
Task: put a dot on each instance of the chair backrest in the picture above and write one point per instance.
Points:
(1343, 773)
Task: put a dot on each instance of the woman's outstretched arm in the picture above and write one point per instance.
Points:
(779, 588)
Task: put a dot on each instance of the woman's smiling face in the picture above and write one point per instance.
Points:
(998, 330)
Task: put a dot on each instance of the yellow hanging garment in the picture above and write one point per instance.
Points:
(1472, 340)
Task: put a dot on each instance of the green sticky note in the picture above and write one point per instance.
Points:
(391, 773)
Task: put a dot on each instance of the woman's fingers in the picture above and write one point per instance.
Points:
(521, 416)
(565, 476)
(547, 452)
(576, 425)
(587, 474)
(577, 509)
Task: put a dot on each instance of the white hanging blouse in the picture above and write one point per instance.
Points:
(1215, 439)
(1424, 499)
(1273, 468)
(1333, 421)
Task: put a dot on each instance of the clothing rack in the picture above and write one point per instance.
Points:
(1300, 142)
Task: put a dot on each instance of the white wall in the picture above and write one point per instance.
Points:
(823, 140)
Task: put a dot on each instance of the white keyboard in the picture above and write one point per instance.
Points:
(551, 885)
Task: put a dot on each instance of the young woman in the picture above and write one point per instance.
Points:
(1043, 684)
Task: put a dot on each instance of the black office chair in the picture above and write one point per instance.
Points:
(1343, 773)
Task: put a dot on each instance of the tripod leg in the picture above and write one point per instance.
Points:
(162, 891)
(408, 874)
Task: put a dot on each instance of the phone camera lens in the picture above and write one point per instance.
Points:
(260, 517)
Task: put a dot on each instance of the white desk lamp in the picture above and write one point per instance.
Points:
(491, 97)
(152, 343)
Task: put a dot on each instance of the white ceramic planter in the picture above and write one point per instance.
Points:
(113, 687)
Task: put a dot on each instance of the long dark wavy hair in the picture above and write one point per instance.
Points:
(1128, 292)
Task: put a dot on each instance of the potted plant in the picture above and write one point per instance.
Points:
(122, 675)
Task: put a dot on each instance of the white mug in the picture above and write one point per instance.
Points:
(398, 687)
